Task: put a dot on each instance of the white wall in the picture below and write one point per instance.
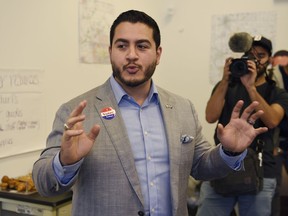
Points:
(41, 34)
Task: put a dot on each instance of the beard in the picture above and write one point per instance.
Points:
(261, 70)
(148, 73)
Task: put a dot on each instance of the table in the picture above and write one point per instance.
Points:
(12, 204)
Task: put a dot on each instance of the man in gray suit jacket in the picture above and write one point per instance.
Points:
(128, 146)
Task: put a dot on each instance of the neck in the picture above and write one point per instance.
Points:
(139, 93)
(261, 80)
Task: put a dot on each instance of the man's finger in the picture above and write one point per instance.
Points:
(236, 110)
(68, 134)
(78, 110)
(249, 110)
(261, 130)
(94, 132)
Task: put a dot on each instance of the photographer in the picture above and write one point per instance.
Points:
(246, 79)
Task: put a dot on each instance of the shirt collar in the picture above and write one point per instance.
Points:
(119, 92)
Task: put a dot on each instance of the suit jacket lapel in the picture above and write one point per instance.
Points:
(173, 139)
(119, 138)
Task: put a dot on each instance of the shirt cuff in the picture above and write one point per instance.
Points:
(235, 162)
(65, 174)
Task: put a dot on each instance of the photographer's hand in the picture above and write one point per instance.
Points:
(248, 80)
(226, 70)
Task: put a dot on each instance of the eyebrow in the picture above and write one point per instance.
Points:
(261, 53)
(258, 53)
(126, 41)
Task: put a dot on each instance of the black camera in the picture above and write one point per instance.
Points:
(239, 67)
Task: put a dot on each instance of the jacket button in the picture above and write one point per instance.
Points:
(140, 213)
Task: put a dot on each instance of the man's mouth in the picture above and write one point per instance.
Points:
(131, 68)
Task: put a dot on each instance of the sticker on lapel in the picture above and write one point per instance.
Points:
(108, 113)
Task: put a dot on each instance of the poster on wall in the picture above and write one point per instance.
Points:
(95, 18)
(21, 111)
(224, 26)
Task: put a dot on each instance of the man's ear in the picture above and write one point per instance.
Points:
(158, 54)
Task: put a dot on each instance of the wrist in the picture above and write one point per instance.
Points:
(251, 89)
(230, 153)
(224, 82)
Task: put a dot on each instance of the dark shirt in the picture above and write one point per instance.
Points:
(271, 94)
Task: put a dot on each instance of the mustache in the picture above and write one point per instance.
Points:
(132, 64)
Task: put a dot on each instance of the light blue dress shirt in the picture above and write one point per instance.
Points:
(147, 136)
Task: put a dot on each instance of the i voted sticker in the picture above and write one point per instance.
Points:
(108, 113)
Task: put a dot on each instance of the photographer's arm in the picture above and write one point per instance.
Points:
(273, 113)
(216, 102)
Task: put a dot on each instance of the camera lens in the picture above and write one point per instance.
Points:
(238, 67)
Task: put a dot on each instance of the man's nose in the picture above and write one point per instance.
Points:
(132, 53)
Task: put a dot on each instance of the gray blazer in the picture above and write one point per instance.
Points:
(107, 183)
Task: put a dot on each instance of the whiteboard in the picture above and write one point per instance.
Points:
(21, 111)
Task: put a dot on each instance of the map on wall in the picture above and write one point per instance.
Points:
(95, 19)
(224, 26)
(21, 111)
